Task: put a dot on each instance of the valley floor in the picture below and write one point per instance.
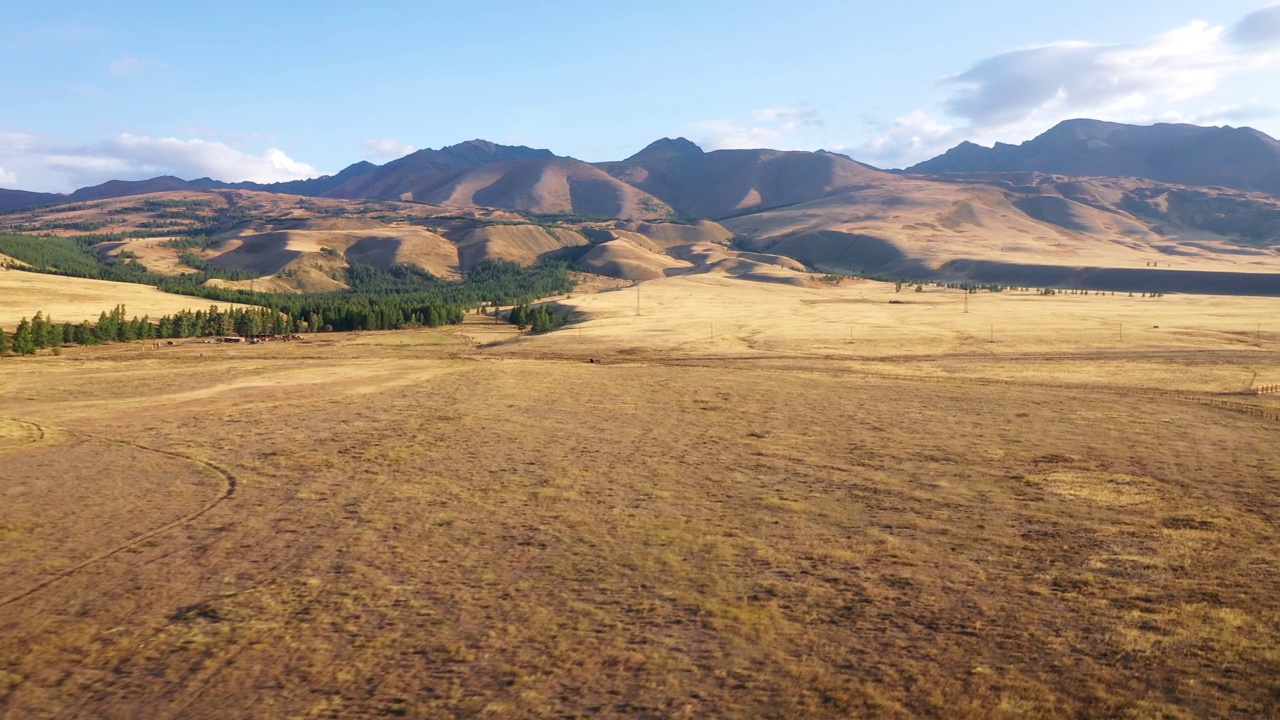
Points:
(831, 505)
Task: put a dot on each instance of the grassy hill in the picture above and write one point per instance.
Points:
(69, 299)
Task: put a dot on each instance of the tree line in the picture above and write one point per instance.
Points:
(113, 326)
(407, 298)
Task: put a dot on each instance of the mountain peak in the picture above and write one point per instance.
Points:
(476, 144)
(665, 148)
(480, 152)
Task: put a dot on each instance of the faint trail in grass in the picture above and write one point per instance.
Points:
(230, 483)
(36, 434)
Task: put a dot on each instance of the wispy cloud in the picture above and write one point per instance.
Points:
(1017, 94)
(386, 148)
(1226, 114)
(780, 128)
(41, 162)
(915, 135)
(788, 118)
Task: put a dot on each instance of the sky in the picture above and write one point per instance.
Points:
(96, 90)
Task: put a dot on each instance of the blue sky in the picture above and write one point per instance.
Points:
(91, 91)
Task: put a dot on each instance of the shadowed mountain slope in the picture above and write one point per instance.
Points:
(126, 188)
(12, 199)
(1239, 158)
(401, 176)
(552, 185)
(310, 187)
(666, 148)
(725, 183)
(927, 229)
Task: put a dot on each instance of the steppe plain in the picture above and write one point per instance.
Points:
(705, 497)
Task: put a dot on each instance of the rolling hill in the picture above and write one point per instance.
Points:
(287, 243)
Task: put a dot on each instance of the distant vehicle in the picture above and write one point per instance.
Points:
(232, 339)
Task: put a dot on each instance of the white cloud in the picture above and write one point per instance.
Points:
(788, 118)
(53, 164)
(912, 135)
(1018, 94)
(774, 127)
(388, 148)
(8, 179)
(130, 65)
(725, 134)
(1072, 77)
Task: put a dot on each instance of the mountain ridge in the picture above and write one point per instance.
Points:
(1238, 158)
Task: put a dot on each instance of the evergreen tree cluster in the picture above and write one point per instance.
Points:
(216, 322)
(539, 319)
(407, 296)
(344, 312)
(42, 332)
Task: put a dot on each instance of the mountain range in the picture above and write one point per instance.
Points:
(1083, 195)
(676, 177)
(1238, 158)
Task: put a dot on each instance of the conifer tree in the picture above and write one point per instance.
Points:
(85, 334)
(519, 316)
(39, 331)
(4, 342)
(24, 341)
(104, 330)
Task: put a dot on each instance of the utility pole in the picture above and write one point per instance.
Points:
(637, 299)
(966, 300)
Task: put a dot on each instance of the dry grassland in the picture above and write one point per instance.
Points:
(774, 522)
(67, 299)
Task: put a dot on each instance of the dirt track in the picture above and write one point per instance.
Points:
(42, 433)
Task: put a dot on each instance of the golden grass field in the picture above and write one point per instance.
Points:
(67, 299)
(763, 501)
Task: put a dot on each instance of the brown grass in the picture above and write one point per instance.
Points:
(445, 524)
